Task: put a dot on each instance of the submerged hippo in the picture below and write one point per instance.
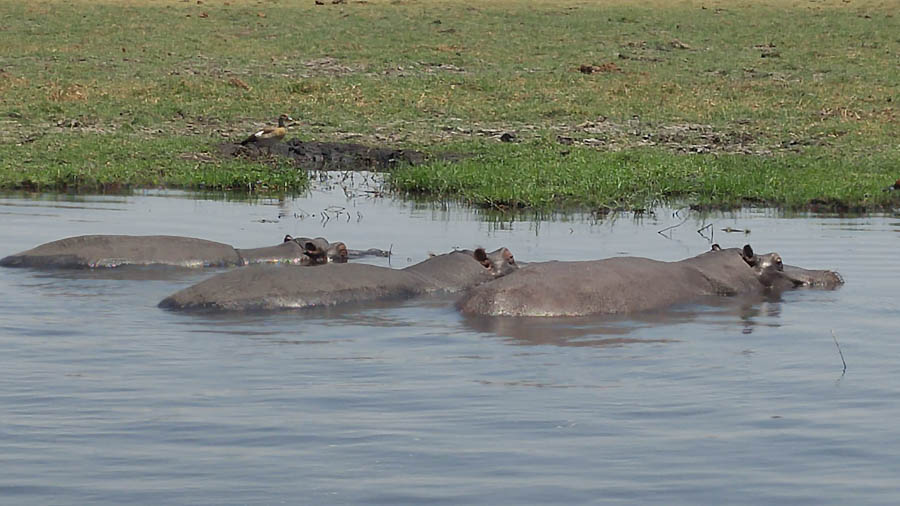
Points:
(337, 251)
(270, 287)
(108, 251)
(629, 284)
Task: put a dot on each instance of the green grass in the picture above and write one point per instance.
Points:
(547, 175)
(115, 162)
(795, 101)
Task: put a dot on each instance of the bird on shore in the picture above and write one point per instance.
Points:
(269, 133)
(895, 186)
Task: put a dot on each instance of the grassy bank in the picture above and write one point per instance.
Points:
(621, 105)
(548, 176)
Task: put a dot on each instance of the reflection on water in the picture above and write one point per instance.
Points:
(130, 273)
(106, 399)
(580, 331)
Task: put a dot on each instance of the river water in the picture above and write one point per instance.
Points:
(107, 399)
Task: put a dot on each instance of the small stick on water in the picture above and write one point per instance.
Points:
(839, 349)
(712, 232)
(663, 231)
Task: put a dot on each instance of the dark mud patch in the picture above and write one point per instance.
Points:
(329, 155)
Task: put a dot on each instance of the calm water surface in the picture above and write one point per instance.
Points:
(106, 399)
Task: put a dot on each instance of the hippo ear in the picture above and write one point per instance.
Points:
(716, 247)
(288, 238)
(482, 257)
(747, 254)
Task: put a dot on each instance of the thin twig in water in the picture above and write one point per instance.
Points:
(660, 232)
(712, 232)
(839, 350)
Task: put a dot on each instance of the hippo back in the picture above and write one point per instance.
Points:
(99, 251)
(265, 287)
(614, 285)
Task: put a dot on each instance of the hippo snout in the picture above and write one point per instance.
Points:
(812, 278)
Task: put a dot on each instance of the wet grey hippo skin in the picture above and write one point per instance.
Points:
(108, 251)
(630, 284)
(271, 287)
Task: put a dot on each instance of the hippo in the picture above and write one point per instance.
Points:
(275, 287)
(337, 252)
(630, 284)
(110, 251)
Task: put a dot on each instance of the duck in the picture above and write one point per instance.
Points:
(895, 186)
(269, 133)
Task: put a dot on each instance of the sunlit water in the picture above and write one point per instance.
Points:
(106, 399)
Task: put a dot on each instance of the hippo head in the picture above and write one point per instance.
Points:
(768, 267)
(499, 262)
(320, 251)
(316, 249)
(462, 269)
(772, 272)
(337, 252)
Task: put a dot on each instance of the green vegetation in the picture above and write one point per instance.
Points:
(547, 175)
(90, 162)
(621, 104)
